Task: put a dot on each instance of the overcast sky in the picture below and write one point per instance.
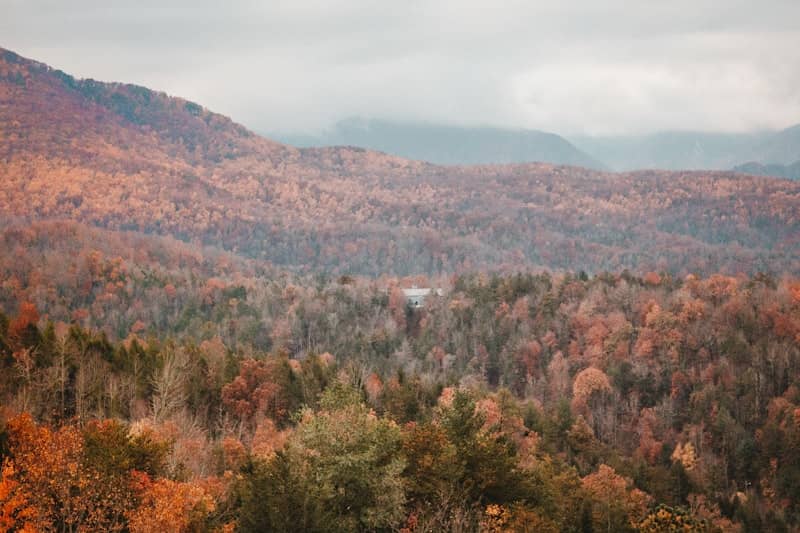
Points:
(568, 66)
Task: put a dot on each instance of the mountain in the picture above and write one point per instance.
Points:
(667, 150)
(450, 145)
(782, 147)
(125, 158)
(696, 150)
(781, 171)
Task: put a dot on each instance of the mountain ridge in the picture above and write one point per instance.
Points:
(675, 150)
(450, 145)
(123, 159)
(781, 171)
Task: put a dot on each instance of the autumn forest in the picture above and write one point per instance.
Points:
(205, 330)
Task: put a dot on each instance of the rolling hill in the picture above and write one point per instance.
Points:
(125, 158)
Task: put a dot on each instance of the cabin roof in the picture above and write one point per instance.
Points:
(417, 291)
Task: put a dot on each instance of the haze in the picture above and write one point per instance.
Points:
(571, 67)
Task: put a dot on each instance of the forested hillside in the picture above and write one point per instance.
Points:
(204, 330)
(124, 157)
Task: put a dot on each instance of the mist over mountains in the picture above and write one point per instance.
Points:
(694, 150)
(463, 145)
(450, 145)
(791, 172)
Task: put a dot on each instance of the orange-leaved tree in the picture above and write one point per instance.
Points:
(168, 505)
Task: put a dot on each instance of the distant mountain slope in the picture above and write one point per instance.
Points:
(121, 157)
(782, 148)
(669, 150)
(693, 150)
(451, 145)
(780, 171)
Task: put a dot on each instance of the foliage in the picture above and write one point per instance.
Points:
(340, 470)
(123, 157)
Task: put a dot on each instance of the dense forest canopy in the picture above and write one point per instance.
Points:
(509, 400)
(203, 330)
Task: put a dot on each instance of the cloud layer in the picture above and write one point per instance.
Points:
(567, 66)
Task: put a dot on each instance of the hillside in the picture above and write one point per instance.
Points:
(451, 145)
(122, 157)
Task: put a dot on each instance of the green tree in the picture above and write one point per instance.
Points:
(487, 457)
(341, 470)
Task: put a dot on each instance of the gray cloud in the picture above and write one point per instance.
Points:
(567, 66)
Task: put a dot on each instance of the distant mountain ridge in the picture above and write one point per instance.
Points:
(782, 148)
(791, 172)
(462, 145)
(450, 145)
(675, 150)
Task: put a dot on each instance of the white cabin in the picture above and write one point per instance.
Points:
(415, 296)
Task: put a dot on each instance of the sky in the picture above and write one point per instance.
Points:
(573, 67)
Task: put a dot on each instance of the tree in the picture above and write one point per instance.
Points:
(70, 480)
(23, 328)
(487, 457)
(615, 507)
(591, 397)
(665, 519)
(16, 512)
(260, 389)
(168, 505)
(341, 469)
(433, 467)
